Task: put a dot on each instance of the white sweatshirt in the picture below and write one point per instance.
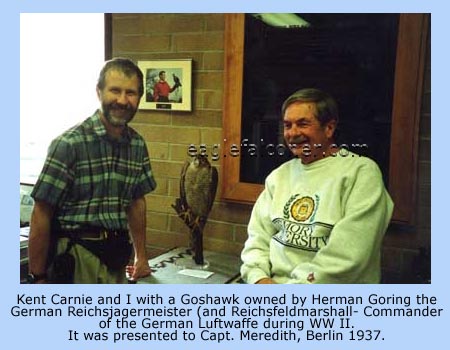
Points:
(321, 222)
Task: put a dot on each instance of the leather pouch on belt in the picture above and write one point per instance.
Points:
(114, 251)
(62, 269)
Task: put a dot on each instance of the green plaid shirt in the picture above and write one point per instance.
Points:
(91, 179)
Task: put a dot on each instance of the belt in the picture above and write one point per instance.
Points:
(91, 232)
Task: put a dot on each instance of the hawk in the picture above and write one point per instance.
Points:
(198, 185)
(176, 80)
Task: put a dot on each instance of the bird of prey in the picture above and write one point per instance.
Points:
(198, 185)
(176, 80)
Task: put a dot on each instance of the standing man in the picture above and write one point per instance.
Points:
(89, 198)
(162, 88)
(322, 216)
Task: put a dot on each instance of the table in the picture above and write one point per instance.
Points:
(167, 267)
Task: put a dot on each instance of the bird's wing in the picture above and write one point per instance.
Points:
(212, 187)
(176, 79)
(182, 184)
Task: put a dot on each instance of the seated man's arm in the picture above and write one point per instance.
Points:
(256, 267)
(352, 254)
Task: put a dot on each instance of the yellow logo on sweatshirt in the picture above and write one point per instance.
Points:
(302, 208)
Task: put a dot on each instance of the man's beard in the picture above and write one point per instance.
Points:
(126, 112)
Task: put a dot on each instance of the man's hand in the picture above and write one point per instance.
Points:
(266, 280)
(137, 224)
(140, 269)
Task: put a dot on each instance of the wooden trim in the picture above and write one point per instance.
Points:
(108, 36)
(232, 188)
(408, 87)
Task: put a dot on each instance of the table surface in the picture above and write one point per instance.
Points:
(167, 267)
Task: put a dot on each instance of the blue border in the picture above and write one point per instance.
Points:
(405, 333)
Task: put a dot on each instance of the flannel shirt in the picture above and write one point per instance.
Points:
(90, 178)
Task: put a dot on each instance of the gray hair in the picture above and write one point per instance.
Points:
(326, 105)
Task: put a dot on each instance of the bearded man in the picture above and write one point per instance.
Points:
(90, 207)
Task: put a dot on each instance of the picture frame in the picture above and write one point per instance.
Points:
(167, 85)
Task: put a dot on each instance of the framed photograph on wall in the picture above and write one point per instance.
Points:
(167, 85)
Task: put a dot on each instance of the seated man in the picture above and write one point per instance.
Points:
(322, 216)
